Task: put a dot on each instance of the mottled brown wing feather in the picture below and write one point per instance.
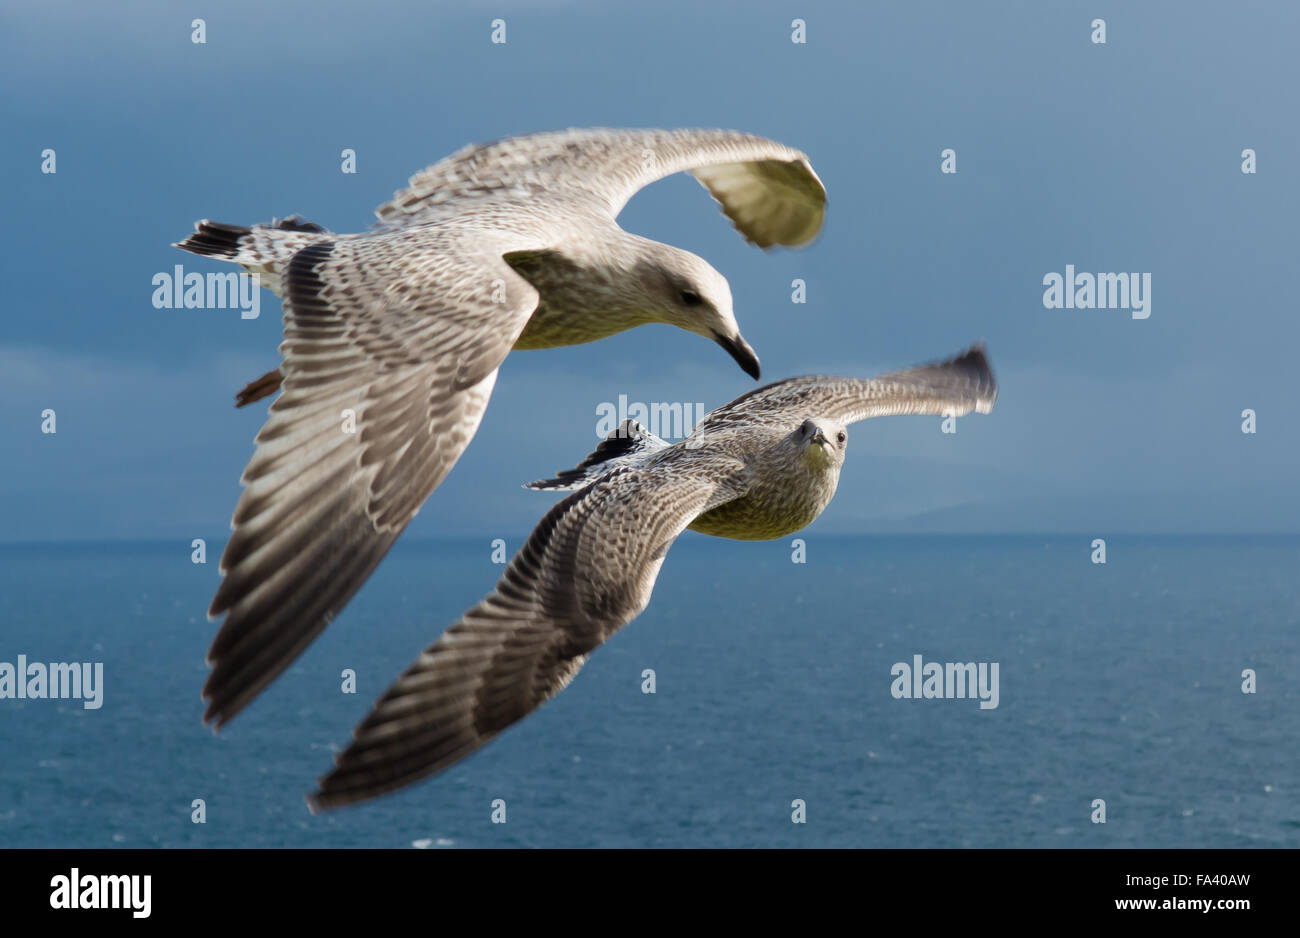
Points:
(952, 387)
(588, 568)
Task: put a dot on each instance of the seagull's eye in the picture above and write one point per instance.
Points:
(691, 298)
(842, 436)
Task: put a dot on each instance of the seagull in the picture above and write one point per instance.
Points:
(761, 467)
(393, 338)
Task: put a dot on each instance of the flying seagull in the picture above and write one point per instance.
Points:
(761, 467)
(393, 338)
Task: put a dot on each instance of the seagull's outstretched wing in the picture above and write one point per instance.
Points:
(391, 349)
(768, 190)
(952, 387)
(587, 569)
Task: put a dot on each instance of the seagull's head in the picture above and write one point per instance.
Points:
(821, 442)
(685, 291)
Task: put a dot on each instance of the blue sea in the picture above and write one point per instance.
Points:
(1120, 682)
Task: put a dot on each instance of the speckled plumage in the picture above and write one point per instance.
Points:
(762, 466)
(512, 244)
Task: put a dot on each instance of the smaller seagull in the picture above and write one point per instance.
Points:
(761, 467)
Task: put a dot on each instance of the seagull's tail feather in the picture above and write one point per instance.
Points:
(628, 445)
(262, 249)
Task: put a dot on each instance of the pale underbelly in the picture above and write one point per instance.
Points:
(743, 520)
(550, 331)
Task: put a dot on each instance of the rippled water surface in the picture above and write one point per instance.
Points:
(1121, 682)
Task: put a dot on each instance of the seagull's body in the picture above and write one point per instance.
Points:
(761, 467)
(398, 333)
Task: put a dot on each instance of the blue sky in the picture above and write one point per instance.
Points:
(1115, 157)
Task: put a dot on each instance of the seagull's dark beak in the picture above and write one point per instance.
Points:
(741, 351)
(820, 437)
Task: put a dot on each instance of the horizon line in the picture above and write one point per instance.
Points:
(461, 537)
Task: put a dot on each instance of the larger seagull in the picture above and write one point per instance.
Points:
(399, 332)
(761, 467)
